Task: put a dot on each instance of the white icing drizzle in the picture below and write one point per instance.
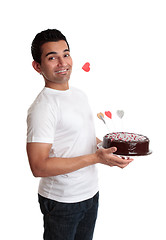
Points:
(125, 136)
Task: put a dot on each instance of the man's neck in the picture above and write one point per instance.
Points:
(61, 87)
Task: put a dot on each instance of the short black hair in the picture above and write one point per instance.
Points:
(49, 35)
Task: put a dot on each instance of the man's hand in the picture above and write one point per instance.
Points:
(106, 156)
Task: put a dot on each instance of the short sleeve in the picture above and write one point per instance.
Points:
(41, 123)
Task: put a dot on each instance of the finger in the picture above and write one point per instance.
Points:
(111, 150)
(124, 165)
(127, 158)
(122, 158)
(119, 161)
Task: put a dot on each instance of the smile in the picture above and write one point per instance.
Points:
(62, 71)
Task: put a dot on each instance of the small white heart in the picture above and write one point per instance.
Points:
(120, 113)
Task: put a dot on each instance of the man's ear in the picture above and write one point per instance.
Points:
(36, 66)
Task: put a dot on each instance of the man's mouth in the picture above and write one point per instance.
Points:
(62, 71)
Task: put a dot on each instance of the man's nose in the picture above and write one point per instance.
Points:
(61, 62)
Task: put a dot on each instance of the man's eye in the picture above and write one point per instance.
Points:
(51, 58)
(67, 55)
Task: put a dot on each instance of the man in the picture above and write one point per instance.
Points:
(61, 145)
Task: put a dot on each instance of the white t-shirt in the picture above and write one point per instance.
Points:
(64, 119)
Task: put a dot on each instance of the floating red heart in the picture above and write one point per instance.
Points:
(108, 114)
(86, 67)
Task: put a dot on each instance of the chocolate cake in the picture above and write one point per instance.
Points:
(127, 144)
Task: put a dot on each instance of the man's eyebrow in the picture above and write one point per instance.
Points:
(66, 50)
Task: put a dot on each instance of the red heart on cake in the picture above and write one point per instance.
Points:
(86, 67)
(108, 114)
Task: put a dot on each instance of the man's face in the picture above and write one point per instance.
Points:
(56, 63)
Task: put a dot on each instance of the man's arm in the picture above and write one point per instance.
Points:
(44, 166)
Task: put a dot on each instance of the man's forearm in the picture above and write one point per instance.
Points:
(44, 166)
(57, 166)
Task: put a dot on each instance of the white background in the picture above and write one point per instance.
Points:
(125, 43)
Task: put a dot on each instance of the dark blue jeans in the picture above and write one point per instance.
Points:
(69, 221)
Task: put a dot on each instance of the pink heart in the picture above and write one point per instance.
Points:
(108, 114)
(86, 67)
